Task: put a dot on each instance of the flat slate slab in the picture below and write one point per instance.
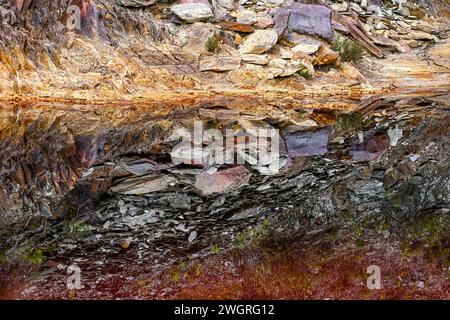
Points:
(311, 19)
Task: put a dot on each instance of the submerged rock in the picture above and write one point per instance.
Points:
(395, 134)
(192, 236)
(371, 149)
(301, 144)
(247, 213)
(207, 184)
(143, 185)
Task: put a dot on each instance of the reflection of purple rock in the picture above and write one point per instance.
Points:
(300, 144)
(221, 181)
(92, 20)
(371, 149)
(311, 19)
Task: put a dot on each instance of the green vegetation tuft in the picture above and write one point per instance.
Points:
(430, 228)
(360, 243)
(251, 236)
(2, 257)
(428, 235)
(349, 123)
(394, 198)
(213, 43)
(215, 249)
(305, 72)
(348, 216)
(176, 276)
(35, 256)
(76, 229)
(348, 49)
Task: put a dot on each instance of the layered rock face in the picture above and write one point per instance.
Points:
(91, 50)
(131, 128)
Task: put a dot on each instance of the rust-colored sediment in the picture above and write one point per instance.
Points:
(326, 269)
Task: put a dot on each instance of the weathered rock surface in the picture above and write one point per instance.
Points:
(236, 26)
(259, 42)
(307, 143)
(143, 185)
(306, 48)
(193, 40)
(136, 3)
(311, 19)
(91, 160)
(220, 63)
(254, 59)
(246, 17)
(326, 56)
(281, 20)
(192, 12)
(284, 68)
(221, 181)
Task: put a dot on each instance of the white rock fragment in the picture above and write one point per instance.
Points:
(273, 2)
(307, 48)
(360, 137)
(259, 42)
(192, 236)
(255, 59)
(220, 63)
(192, 12)
(246, 17)
(394, 136)
(340, 7)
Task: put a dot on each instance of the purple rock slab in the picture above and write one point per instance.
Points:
(310, 143)
(311, 19)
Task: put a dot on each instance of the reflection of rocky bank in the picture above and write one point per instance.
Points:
(358, 91)
(97, 180)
